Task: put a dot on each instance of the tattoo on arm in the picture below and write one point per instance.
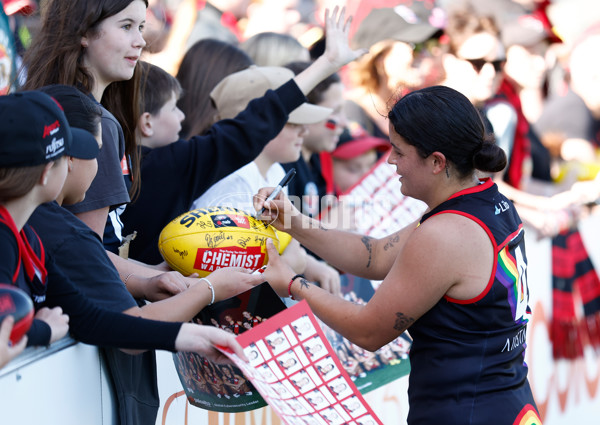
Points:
(303, 283)
(391, 241)
(367, 241)
(323, 228)
(402, 322)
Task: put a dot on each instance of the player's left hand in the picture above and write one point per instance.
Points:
(277, 273)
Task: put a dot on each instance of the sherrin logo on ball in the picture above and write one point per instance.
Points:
(204, 240)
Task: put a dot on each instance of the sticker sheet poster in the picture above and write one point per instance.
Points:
(295, 369)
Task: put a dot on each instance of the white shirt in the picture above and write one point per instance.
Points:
(237, 189)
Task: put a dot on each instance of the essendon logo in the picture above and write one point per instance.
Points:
(227, 220)
(211, 259)
(51, 129)
(7, 304)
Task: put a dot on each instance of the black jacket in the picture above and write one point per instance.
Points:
(175, 175)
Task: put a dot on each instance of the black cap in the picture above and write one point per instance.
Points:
(35, 131)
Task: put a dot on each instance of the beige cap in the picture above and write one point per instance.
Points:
(234, 92)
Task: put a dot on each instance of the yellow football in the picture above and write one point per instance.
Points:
(204, 240)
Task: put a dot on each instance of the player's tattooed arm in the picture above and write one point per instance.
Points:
(392, 240)
(368, 242)
(304, 283)
(403, 322)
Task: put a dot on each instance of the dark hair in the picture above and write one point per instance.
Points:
(56, 57)
(81, 111)
(204, 65)
(316, 95)
(440, 119)
(157, 87)
(121, 98)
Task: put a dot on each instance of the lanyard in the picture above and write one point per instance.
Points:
(33, 264)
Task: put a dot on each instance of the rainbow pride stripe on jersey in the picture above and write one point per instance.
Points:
(507, 273)
(528, 416)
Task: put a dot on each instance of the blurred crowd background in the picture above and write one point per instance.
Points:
(531, 67)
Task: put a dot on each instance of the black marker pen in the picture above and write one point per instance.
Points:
(283, 183)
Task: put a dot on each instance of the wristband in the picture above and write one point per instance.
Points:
(290, 285)
(212, 290)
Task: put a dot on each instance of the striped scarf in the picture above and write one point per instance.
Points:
(575, 288)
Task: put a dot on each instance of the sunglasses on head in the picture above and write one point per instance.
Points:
(478, 64)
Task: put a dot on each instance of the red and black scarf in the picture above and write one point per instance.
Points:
(575, 288)
(521, 149)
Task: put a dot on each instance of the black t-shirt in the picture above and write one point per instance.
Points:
(173, 176)
(110, 186)
(73, 247)
(134, 377)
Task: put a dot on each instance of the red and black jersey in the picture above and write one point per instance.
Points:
(467, 356)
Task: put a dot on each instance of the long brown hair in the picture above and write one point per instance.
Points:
(16, 182)
(56, 57)
(204, 65)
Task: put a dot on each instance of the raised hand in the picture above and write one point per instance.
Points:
(337, 51)
(337, 47)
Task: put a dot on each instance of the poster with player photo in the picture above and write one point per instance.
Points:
(297, 371)
(368, 370)
(225, 388)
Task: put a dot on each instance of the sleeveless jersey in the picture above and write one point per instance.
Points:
(467, 357)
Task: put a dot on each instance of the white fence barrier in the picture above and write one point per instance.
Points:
(67, 383)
